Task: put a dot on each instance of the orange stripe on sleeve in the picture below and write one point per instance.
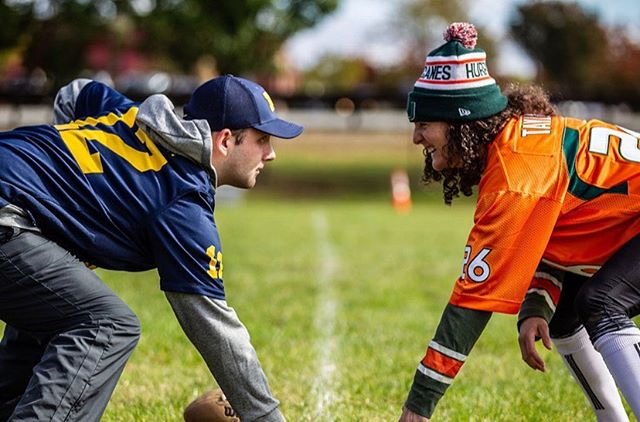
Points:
(441, 363)
(548, 286)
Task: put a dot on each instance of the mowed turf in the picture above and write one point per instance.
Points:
(392, 275)
(341, 295)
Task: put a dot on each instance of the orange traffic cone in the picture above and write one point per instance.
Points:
(400, 191)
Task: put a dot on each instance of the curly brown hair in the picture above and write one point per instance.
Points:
(470, 141)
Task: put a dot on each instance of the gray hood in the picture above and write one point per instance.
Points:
(188, 138)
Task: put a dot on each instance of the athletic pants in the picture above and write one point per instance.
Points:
(67, 336)
(603, 303)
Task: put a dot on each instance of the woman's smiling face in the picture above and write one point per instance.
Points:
(433, 138)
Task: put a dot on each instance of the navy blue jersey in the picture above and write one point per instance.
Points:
(101, 188)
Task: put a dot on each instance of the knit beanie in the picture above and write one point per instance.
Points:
(455, 84)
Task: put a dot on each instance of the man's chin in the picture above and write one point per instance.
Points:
(246, 184)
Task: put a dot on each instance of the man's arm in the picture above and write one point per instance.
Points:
(223, 341)
(458, 331)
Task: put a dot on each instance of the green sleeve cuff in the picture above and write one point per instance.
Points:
(424, 395)
(534, 305)
(458, 330)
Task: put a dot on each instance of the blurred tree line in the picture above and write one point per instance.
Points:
(240, 36)
(576, 56)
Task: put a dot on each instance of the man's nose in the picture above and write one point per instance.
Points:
(270, 154)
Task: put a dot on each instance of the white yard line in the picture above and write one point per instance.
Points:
(325, 382)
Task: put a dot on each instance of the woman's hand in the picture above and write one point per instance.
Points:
(530, 329)
(409, 416)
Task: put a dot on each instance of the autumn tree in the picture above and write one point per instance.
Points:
(567, 44)
(619, 80)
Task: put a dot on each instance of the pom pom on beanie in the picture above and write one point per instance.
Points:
(463, 32)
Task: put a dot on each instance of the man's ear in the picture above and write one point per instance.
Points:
(221, 141)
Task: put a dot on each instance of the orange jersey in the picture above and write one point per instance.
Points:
(559, 190)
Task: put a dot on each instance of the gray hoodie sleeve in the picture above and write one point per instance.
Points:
(223, 341)
(64, 104)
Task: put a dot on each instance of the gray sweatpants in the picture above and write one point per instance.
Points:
(67, 338)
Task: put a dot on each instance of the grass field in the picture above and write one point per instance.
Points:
(341, 295)
(341, 298)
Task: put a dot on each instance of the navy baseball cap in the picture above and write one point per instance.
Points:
(236, 103)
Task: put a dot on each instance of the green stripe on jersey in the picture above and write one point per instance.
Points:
(578, 187)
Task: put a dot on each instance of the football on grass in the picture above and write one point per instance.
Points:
(212, 406)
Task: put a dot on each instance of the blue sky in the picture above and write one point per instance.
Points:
(358, 27)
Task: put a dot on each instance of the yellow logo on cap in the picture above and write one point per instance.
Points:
(268, 98)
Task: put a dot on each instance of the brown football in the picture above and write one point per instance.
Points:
(212, 406)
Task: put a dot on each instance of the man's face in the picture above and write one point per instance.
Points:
(246, 159)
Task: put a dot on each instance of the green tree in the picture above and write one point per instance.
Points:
(242, 36)
(566, 42)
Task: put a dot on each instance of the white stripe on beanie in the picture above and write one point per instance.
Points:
(455, 72)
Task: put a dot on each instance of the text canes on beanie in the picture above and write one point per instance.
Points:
(455, 84)
(229, 102)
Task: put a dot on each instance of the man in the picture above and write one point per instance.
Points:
(129, 187)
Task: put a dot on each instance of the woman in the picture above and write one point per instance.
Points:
(551, 189)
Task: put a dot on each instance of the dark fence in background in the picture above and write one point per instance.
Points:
(341, 119)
